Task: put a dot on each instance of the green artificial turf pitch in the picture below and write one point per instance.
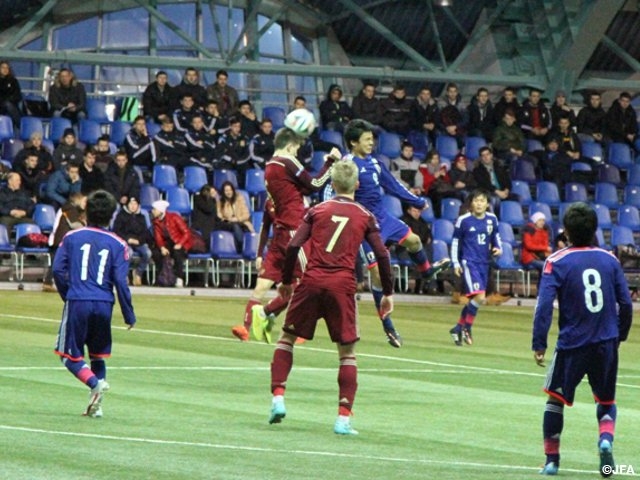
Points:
(189, 401)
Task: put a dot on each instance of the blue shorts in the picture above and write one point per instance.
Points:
(476, 278)
(85, 322)
(599, 362)
(392, 230)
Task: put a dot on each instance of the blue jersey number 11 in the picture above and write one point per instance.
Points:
(104, 254)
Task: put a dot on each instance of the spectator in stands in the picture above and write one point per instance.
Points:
(436, 183)
(424, 114)
(568, 141)
(201, 145)
(67, 150)
(561, 108)
(16, 203)
(481, 121)
(233, 151)
(157, 98)
(224, 94)
(204, 217)
(190, 84)
(406, 168)
(172, 238)
(234, 214)
(451, 119)
(508, 99)
(183, 116)
(171, 146)
(214, 122)
(34, 145)
(396, 111)
(102, 152)
(366, 106)
(461, 177)
(70, 216)
(556, 164)
(131, 225)
(534, 116)
(249, 125)
(491, 175)
(121, 180)
(508, 140)
(62, 184)
(10, 94)
(31, 174)
(139, 146)
(261, 147)
(621, 124)
(334, 112)
(92, 177)
(299, 102)
(536, 243)
(422, 229)
(591, 118)
(67, 96)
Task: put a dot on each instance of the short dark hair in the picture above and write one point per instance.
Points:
(354, 130)
(484, 149)
(222, 72)
(580, 222)
(625, 95)
(480, 192)
(161, 72)
(300, 97)
(100, 207)
(242, 103)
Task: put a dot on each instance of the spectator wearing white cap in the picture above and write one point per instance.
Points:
(536, 243)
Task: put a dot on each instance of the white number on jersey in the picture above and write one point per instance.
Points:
(342, 222)
(482, 239)
(84, 269)
(593, 297)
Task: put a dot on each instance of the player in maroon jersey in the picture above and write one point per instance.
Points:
(334, 229)
(287, 182)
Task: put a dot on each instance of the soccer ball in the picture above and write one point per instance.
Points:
(301, 121)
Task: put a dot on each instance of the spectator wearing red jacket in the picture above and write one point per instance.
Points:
(536, 246)
(172, 236)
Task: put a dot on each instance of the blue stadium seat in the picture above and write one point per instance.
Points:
(547, 192)
(523, 170)
(57, 126)
(254, 181)
(392, 205)
(164, 177)
(628, 216)
(179, 200)
(22, 229)
(609, 173)
(256, 220)
(442, 229)
(621, 235)
(223, 175)
(507, 263)
(89, 131)
(592, 150)
(250, 253)
(11, 147)
(148, 195)
(6, 247)
(420, 143)
(600, 239)
(334, 137)
(384, 160)
(6, 127)
(540, 207)
(152, 128)
(194, 178)
(604, 216)
(45, 216)
(472, 146)
(118, 132)
(631, 195)
(633, 175)
(575, 192)
(317, 161)
(534, 145)
(29, 126)
(450, 208)
(580, 167)
(562, 209)
(506, 234)
(223, 249)
(276, 115)
(447, 146)
(97, 110)
(427, 214)
(606, 194)
(440, 250)
(511, 212)
(389, 144)
(620, 155)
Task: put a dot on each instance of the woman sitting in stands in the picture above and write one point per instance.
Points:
(234, 213)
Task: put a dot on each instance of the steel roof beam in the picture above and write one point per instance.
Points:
(26, 28)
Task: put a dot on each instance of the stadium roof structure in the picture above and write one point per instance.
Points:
(569, 45)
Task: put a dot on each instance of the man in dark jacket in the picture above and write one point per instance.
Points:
(396, 111)
(131, 225)
(481, 121)
(366, 106)
(534, 116)
(157, 97)
(171, 146)
(139, 147)
(190, 84)
(424, 114)
(261, 147)
(335, 113)
(67, 151)
(62, 183)
(31, 174)
(67, 96)
(10, 94)
(620, 123)
(16, 206)
(233, 151)
(121, 179)
(590, 121)
(490, 175)
(92, 176)
(224, 94)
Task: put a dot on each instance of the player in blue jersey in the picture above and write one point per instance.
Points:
(595, 313)
(475, 241)
(373, 176)
(89, 263)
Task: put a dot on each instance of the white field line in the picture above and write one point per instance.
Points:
(314, 453)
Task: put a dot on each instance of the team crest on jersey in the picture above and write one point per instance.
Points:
(489, 227)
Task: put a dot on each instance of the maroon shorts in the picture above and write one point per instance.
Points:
(276, 253)
(311, 303)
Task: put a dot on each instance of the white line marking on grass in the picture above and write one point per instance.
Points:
(315, 453)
